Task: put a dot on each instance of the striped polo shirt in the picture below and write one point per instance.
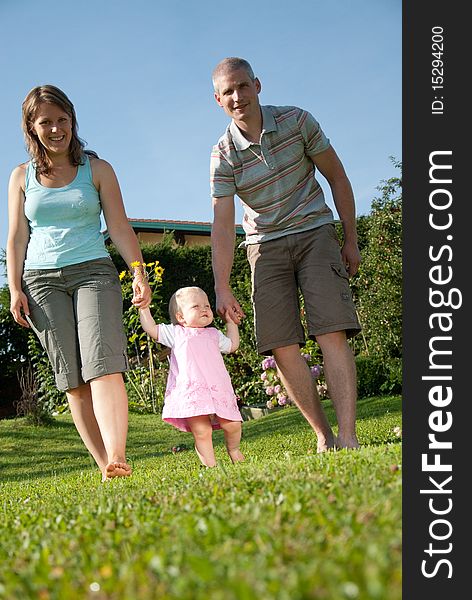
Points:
(275, 178)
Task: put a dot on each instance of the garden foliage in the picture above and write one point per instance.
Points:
(377, 290)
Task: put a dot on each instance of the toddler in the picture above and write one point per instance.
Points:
(199, 396)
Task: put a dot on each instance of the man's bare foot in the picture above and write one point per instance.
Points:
(327, 444)
(349, 443)
(236, 455)
(116, 469)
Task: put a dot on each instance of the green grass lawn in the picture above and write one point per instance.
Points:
(286, 524)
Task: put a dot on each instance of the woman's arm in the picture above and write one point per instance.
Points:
(121, 232)
(18, 238)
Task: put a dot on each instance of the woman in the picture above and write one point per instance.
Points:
(62, 281)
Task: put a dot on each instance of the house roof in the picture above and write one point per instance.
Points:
(161, 225)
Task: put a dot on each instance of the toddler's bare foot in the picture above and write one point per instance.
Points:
(236, 455)
(117, 469)
(211, 462)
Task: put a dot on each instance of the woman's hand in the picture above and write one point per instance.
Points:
(18, 307)
(141, 292)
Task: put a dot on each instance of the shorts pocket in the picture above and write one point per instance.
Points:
(344, 289)
(340, 270)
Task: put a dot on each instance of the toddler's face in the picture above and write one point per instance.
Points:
(195, 310)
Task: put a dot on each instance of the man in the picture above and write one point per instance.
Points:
(268, 157)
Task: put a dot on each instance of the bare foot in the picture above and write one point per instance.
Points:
(326, 445)
(117, 469)
(349, 443)
(204, 461)
(236, 455)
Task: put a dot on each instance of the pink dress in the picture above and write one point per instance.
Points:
(198, 382)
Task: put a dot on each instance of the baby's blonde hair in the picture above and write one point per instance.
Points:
(174, 305)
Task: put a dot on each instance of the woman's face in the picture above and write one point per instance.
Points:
(53, 127)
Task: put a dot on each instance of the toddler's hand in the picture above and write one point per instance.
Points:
(232, 317)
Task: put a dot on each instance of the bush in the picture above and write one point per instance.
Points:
(13, 355)
(30, 404)
(371, 375)
(378, 285)
(183, 266)
(376, 376)
(394, 380)
(377, 291)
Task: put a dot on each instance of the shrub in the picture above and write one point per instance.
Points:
(274, 388)
(393, 383)
(31, 403)
(13, 354)
(378, 285)
(377, 376)
(371, 375)
(145, 381)
(49, 398)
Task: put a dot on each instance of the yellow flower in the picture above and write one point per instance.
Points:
(150, 264)
(136, 263)
(122, 275)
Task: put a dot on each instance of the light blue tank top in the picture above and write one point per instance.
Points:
(64, 222)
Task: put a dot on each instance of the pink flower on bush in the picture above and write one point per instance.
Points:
(268, 363)
(275, 388)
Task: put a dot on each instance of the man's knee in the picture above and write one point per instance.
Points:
(334, 339)
(286, 356)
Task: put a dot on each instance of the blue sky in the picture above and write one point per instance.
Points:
(139, 75)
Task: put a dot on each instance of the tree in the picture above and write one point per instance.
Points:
(378, 285)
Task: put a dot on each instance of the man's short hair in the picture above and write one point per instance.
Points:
(232, 63)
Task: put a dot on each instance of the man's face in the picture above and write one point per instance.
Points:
(238, 94)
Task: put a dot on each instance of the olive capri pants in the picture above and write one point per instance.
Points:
(77, 313)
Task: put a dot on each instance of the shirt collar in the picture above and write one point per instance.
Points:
(268, 124)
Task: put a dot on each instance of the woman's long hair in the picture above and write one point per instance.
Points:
(52, 95)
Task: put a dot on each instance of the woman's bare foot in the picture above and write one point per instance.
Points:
(116, 469)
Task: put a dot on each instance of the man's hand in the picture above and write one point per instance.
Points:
(228, 307)
(351, 258)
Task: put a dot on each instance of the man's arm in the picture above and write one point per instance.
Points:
(329, 165)
(222, 254)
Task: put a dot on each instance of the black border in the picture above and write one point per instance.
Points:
(424, 133)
